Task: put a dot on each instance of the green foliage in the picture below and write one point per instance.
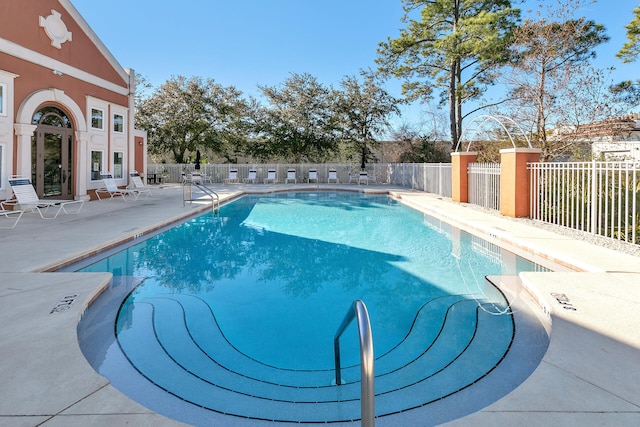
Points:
(631, 49)
(450, 48)
(298, 124)
(363, 110)
(185, 115)
(627, 92)
(426, 150)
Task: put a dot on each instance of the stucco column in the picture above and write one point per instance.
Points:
(24, 132)
(82, 172)
(460, 176)
(514, 180)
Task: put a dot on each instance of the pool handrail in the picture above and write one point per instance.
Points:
(195, 180)
(367, 406)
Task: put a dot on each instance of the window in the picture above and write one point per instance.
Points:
(118, 164)
(97, 119)
(3, 99)
(96, 165)
(118, 123)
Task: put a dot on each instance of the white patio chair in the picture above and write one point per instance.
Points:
(291, 176)
(111, 188)
(233, 177)
(271, 177)
(363, 178)
(333, 177)
(27, 198)
(313, 175)
(10, 215)
(138, 185)
(252, 178)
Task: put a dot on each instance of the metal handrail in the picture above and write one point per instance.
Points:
(215, 203)
(367, 407)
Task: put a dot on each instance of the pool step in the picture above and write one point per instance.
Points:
(209, 372)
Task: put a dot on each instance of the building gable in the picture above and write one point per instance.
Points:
(52, 33)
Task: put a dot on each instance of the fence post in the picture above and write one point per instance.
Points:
(460, 175)
(514, 180)
(594, 199)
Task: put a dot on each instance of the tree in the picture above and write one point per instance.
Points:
(426, 150)
(629, 91)
(185, 115)
(298, 124)
(551, 77)
(453, 47)
(364, 109)
(423, 146)
(631, 49)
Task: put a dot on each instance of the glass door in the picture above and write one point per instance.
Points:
(51, 169)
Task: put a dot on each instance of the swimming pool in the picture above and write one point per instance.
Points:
(235, 313)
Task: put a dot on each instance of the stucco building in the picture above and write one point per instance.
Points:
(66, 104)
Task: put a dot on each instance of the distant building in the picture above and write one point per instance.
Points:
(66, 105)
(614, 139)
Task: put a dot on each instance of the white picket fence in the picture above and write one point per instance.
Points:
(430, 177)
(597, 197)
(484, 185)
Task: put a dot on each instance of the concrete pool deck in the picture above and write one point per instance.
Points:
(589, 376)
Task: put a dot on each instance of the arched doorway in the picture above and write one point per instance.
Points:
(52, 154)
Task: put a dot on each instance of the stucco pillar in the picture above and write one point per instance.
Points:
(514, 180)
(460, 176)
(24, 132)
(82, 172)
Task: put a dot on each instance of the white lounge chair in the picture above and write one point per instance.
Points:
(27, 198)
(333, 177)
(271, 177)
(233, 177)
(111, 188)
(13, 215)
(291, 176)
(252, 178)
(138, 185)
(313, 175)
(363, 178)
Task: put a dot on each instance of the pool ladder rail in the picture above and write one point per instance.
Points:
(367, 406)
(194, 180)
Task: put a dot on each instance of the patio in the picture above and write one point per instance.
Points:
(588, 377)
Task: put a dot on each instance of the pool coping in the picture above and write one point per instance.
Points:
(587, 376)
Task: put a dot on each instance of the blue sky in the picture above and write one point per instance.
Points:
(249, 42)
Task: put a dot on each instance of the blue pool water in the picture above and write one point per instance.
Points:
(242, 306)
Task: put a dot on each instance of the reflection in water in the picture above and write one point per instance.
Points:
(279, 271)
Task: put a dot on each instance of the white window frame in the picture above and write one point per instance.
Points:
(102, 118)
(99, 167)
(118, 174)
(3, 99)
(115, 122)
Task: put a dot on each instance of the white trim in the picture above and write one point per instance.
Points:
(4, 94)
(29, 55)
(31, 103)
(95, 39)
